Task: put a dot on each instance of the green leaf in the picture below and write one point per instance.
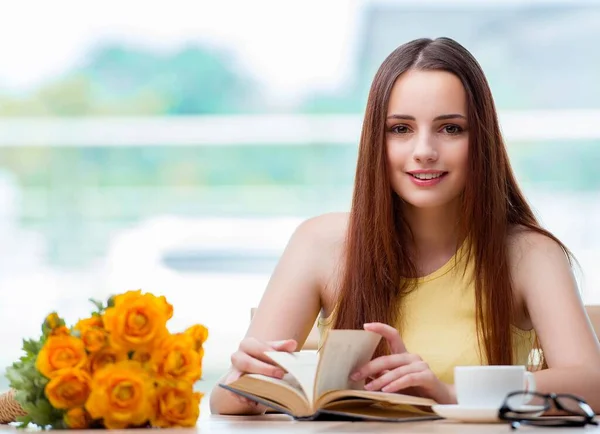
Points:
(40, 412)
(40, 382)
(22, 397)
(29, 408)
(24, 421)
(15, 379)
(99, 305)
(30, 373)
(31, 347)
(51, 322)
(59, 424)
(44, 405)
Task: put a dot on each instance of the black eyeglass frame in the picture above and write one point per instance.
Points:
(552, 398)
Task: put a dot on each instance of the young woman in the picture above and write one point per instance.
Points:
(440, 253)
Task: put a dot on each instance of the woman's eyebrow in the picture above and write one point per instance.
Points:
(437, 118)
(450, 116)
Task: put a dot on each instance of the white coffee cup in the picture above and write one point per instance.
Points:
(488, 386)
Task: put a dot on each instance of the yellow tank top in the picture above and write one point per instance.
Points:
(438, 321)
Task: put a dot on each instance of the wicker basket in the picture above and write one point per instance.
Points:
(9, 407)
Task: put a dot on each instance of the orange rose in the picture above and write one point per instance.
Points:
(126, 296)
(136, 321)
(105, 356)
(92, 333)
(168, 308)
(132, 295)
(122, 395)
(176, 359)
(77, 418)
(199, 333)
(60, 331)
(53, 321)
(143, 357)
(60, 352)
(177, 405)
(93, 321)
(94, 339)
(68, 388)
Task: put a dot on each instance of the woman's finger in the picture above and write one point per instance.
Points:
(390, 334)
(416, 379)
(383, 363)
(234, 375)
(377, 375)
(246, 401)
(256, 349)
(288, 345)
(385, 380)
(246, 363)
(421, 380)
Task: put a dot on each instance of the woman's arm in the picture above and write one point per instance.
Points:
(290, 304)
(544, 280)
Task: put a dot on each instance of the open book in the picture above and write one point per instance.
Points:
(317, 386)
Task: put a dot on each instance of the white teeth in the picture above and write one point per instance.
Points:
(427, 175)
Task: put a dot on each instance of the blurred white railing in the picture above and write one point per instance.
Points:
(261, 129)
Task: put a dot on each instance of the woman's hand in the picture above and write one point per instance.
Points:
(250, 359)
(402, 370)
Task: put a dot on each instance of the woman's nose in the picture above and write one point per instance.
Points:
(424, 150)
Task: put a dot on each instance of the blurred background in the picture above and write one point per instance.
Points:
(175, 146)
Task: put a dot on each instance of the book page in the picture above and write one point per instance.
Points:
(382, 398)
(342, 353)
(284, 393)
(363, 410)
(301, 365)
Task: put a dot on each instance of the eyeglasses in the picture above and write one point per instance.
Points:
(525, 408)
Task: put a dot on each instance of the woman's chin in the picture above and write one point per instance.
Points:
(426, 201)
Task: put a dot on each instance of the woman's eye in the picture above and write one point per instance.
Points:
(452, 129)
(399, 129)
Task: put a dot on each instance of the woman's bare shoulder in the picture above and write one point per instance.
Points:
(325, 237)
(523, 242)
(532, 258)
(325, 229)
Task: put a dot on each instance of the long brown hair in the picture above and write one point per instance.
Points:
(377, 257)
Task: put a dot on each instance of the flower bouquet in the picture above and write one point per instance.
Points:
(118, 368)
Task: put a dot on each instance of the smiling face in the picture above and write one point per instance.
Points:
(427, 138)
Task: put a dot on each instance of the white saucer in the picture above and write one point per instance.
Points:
(474, 414)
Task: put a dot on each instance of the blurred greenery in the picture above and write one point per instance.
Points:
(119, 80)
(77, 197)
(173, 166)
(548, 163)
(558, 165)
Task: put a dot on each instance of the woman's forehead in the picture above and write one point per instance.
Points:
(427, 94)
